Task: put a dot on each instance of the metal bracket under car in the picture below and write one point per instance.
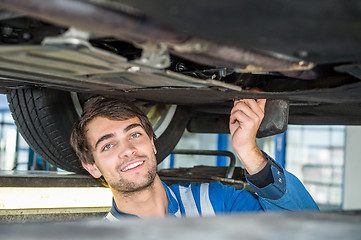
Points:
(275, 120)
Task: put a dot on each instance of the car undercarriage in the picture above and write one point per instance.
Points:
(184, 63)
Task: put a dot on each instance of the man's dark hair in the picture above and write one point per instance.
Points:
(113, 109)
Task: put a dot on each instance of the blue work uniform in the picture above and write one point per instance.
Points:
(275, 188)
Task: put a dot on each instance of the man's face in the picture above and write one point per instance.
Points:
(123, 153)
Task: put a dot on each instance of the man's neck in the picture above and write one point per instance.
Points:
(149, 202)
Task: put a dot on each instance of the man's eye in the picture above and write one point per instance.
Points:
(135, 135)
(107, 147)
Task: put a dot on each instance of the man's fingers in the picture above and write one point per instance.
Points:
(252, 108)
(256, 104)
(262, 103)
(243, 111)
(243, 117)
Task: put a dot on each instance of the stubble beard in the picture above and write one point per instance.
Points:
(125, 186)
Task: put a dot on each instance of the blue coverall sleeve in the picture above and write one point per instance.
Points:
(285, 193)
(226, 200)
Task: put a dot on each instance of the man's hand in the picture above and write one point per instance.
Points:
(246, 117)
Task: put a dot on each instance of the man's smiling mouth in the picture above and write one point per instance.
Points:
(131, 166)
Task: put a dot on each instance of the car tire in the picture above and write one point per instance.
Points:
(45, 117)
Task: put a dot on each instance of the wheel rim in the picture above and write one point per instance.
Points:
(160, 115)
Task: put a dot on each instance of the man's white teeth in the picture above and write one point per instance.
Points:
(133, 165)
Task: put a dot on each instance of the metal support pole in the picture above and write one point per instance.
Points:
(280, 149)
(222, 146)
(171, 161)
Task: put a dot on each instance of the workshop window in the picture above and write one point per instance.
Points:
(315, 154)
(14, 151)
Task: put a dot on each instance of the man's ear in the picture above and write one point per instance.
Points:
(154, 148)
(92, 169)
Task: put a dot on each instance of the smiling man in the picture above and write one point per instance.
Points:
(115, 142)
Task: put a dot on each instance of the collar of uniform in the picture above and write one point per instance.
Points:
(117, 213)
(173, 205)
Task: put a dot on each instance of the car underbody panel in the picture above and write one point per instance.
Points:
(304, 57)
(70, 62)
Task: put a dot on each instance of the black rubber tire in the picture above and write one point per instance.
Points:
(45, 117)
(166, 142)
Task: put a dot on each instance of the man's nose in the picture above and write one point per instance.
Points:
(127, 149)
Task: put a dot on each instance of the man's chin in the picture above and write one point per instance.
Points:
(125, 186)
